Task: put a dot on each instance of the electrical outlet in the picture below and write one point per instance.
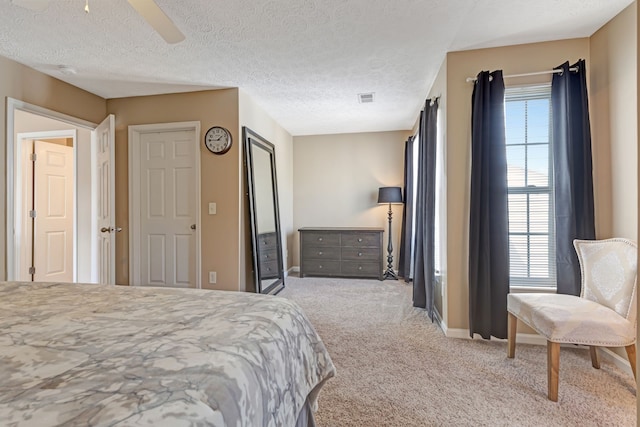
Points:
(212, 208)
(213, 277)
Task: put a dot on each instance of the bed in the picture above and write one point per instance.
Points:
(77, 354)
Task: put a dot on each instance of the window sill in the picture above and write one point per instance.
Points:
(520, 289)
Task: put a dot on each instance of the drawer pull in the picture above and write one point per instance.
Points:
(320, 253)
(360, 239)
(319, 239)
(359, 267)
(359, 253)
(320, 267)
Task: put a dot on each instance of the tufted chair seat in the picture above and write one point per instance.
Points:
(604, 315)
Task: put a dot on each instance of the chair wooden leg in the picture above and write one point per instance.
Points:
(595, 359)
(553, 368)
(512, 326)
(631, 354)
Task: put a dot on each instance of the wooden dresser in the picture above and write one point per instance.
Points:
(345, 252)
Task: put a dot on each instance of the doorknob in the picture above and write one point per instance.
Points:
(110, 229)
(193, 226)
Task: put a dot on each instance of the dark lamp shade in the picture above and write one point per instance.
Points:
(389, 195)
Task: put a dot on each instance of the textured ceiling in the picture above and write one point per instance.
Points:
(303, 61)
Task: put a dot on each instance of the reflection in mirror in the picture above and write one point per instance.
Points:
(263, 208)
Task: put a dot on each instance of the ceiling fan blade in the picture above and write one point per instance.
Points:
(35, 5)
(158, 20)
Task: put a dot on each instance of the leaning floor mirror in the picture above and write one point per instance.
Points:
(264, 214)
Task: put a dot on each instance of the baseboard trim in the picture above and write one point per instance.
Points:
(536, 339)
(616, 359)
(294, 269)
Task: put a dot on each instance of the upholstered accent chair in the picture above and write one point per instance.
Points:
(604, 315)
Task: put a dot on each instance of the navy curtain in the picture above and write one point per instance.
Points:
(573, 186)
(404, 260)
(488, 216)
(424, 257)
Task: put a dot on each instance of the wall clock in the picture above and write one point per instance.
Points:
(217, 140)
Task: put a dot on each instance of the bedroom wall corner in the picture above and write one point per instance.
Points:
(637, 195)
(460, 65)
(26, 84)
(337, 178)
(258, 120)
(614, 106)
(614, 110)
(219, 175)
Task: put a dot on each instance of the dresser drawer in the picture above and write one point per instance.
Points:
(355, 268)
(268, 254)
(361, 239)
(341, 251)
(363, 254)
(267, 240)
(321, 267)
(268, 269)
(322, 252)
(320, 239)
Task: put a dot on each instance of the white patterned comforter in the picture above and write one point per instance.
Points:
(73, 354)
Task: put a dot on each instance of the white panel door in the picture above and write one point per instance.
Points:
(104, 142)
(53, 204)
(167, 208)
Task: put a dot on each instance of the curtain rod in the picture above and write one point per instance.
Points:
(537, 73)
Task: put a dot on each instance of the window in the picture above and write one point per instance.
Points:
(530, 181)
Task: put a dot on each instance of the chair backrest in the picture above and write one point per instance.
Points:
(609, 273)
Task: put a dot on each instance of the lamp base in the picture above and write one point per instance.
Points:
(389, 274)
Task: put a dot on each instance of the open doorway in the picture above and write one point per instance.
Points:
(60, 209)
(45, 206)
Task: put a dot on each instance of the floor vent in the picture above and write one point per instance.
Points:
(364, 98)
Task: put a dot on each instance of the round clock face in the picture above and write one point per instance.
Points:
(218, 140)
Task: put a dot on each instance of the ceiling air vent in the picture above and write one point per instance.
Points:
(365, 98)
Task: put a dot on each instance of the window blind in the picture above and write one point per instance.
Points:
(530, 185)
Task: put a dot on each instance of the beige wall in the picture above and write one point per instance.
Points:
(256, 119)
(460, 65)
(25, 84)
(613, 105)
(337, 178)
(220, 176)
(637, 161)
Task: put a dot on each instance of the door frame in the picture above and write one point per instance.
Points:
(18, 189)
(12, 164)
(135, 133)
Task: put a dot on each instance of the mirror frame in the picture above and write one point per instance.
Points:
(252, 139)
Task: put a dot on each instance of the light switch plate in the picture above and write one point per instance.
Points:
(212, 208)
(213, 277)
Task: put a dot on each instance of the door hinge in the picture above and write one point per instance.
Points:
(32, 270)
(33, 157)
(32, 213)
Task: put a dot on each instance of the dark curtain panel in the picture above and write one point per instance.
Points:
(573, 184)
(424, 259)
(404, 260)
(488, 216)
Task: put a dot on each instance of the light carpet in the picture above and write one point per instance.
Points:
(396, 368)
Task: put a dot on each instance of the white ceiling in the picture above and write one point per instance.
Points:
(303, 61)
